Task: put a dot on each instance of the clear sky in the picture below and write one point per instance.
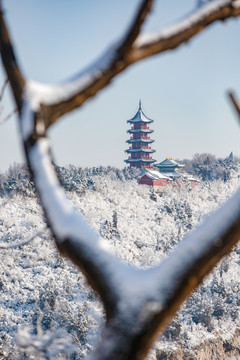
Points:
(184, 90)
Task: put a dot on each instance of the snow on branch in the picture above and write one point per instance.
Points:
(74, 237)
(192, 24)
(58, 100)
(61, 99)
(196, 255)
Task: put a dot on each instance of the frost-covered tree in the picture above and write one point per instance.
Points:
(138, 303)
(208, 168)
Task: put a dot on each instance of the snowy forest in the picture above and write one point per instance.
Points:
(47, 309)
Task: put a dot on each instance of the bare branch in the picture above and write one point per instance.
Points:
(3, 89)
(91, 80)
(12, 69)
(85, 85)
(234, 102)
(4, 120)
(24, 242)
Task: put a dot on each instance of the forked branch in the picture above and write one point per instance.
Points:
(138, 303)
(59, 100)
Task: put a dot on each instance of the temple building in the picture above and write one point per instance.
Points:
(168, 168)
(139, 143)
(167, 172)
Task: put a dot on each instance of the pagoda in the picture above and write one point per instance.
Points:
(139, 143)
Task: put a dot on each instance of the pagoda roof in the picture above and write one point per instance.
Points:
(168, 163)
(140, 160)
(140, 116)
(140, 150)
(132, 131)
(172, 174)
(155, 175)
(130, 141)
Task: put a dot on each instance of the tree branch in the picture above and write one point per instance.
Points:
(117, 58)
(24, 242)
(138, 303)
(3, 89)
(170, 38)
(8, 117)
(85, 85)
(12, 69)
(234, 102)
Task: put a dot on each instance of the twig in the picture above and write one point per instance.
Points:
(234, 102)
(3, 88)
(3, 121)
(24, 242)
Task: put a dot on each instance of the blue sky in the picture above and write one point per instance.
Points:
(184, 90)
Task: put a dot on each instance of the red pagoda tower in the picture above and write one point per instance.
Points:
(139, 150)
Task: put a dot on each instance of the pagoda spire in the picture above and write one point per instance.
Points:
(140, 105)
(139, 144)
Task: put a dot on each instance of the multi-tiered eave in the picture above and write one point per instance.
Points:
(139, 150)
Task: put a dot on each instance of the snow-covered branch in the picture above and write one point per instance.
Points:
(171, 37)
(58, 100)
(138, 303)
(132, 47)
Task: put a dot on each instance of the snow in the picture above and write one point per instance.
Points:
(196, 244)
(236, 4)
(154, 174)
(38, 93)
(27, 120)
(63, 217)
(146, 233)
(195, 17)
